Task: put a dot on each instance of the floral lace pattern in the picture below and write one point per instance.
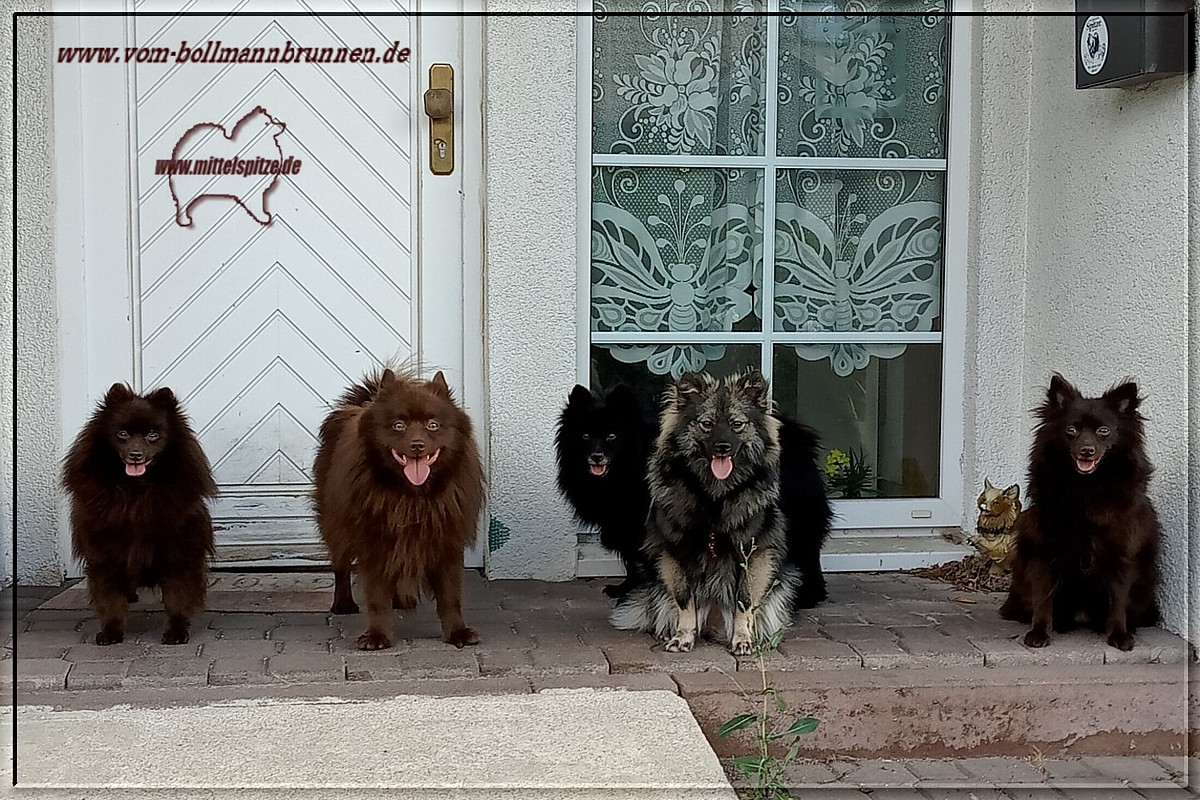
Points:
(863, 86)
(664, 83)
(857, 251)
(681, 250)
(673, 250)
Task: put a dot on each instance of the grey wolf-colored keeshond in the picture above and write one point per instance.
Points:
(715, 533)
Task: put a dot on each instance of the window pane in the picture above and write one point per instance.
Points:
(647, 369)
(858, 250)
(675, 249)
(888, 413)
(670, 84)
(863, 86)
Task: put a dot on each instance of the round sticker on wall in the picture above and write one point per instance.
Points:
(1093, 44)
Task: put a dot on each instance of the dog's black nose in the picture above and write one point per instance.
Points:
(597, 458)
(417, 446)
(136, 456)
(722, 448)
(1087, 451)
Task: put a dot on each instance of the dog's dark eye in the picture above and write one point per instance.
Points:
(706, 424)
(737, 424)
(587, 436)
(432, 425)
(122, 435)
(1103, 430)
(152, 436)
(1072, 430)
(612, 437)
(399, 425)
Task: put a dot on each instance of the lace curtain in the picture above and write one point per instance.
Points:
(680, 248)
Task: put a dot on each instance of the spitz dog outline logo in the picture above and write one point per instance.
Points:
(216, 167)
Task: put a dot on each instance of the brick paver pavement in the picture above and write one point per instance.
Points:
(533, 630)
(273, 634)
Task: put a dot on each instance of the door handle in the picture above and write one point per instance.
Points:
(439, 107)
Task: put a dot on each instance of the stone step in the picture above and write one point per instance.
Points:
(931, 713)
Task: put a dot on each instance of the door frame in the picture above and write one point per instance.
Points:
(91, 227)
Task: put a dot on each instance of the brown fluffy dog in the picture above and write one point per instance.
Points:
(139, 484)
(1087, 547)
(399, 487)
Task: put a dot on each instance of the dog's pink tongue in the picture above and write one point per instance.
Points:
(417, 470)
(1084, 466)
(135, 470)
(722, 466)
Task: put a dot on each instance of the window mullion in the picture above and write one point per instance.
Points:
(770, 151)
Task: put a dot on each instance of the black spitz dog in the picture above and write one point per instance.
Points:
(1087, 548)
(715, 533)
(139, 484)
(603, 445)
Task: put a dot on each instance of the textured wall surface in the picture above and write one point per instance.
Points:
(1193, 360)
(36, 315)
(1078, 259)
(1107, 292)
(995, 419)
(530, 262)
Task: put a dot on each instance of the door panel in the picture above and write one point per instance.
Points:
(284, 288)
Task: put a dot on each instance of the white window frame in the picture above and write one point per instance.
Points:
(884, 516)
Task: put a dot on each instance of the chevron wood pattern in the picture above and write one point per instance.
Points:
(259, 327)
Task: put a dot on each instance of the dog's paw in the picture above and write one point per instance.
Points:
(346, 607)
(615, 590)
(680, 643)
(405, 602)
(175, 636)
(108, 636)
(741, 647)
(1122, 640)
(462, 637)
(373, 640)
(1037, 639)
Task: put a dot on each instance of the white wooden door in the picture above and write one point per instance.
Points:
(262, 300)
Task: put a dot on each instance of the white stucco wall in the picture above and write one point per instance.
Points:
(530, 267)
(1193, 360)
(1107, 292)
(38, 446)
(995, 410)
(1079, 259)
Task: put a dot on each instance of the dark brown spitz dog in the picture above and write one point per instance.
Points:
(139, 484)
(399, 488)
(1087, 547)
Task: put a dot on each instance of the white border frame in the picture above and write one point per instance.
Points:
(882, 518)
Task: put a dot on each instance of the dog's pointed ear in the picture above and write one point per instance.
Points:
(1123, 398)
(987, 484)
(1013, 492)
(1061, 392)
(387, 379)
(580, 397)
(117, 393)
(754, 387)
(692, 387)
(439, 385)
(163, 398)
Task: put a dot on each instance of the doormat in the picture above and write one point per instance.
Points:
(275, 592)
